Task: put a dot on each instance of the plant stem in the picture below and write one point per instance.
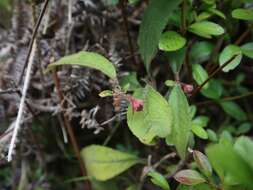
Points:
(211, 76)
(130, 44)
(70, 131)
(183, 17)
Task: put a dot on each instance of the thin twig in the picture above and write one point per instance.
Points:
(34, 34)
(231, 98)
(70, 131)
(124, 15)
(212, 75)
(22, 101)
(243, 36)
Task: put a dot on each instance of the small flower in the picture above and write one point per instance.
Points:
(187, 88)
(137, 105)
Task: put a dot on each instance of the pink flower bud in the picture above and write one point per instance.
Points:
(187, 88)
(137, 104)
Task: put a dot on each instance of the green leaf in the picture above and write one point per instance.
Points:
(243, 128)
(206, 29)
(228, 53)
(201, 121)
(214, 90)
(181, 121)
(217, 12)
(131, 81)
(170, 83)
(202, 163)
(247, 49)
(203, 16)
(87, 59)
(212, 135)
(105, 93)
(199, 75)
(171, 41)
(199, 131)
(243, 14)
(159, 180)
(189, 177)
(151, 122)
(227, 163)
(201, 51)
(234, 110)
(244, 147)
(176, 59)
(104, 163)
(154, 20)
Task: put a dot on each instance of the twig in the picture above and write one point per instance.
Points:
(34, 34)
(225, 99)
(131, 48)
(243, 36)
(22, 101)
(70, 131)
(211, 76)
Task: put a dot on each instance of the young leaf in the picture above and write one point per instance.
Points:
(214, 90)
(181, 121)
(199, 131)
(243, 14)
(227, 54)
(206, 29)
(104, 163)
(212, 135)
(176, 59)
(159, 180)
(247, 49)
(171, 41)
(199, 75)
(234, 110)
(202, 163)
(217, 12)
(244, 147)
(151, 122)
(189, 177)
(154, 21)
(87, 59)
(105, 93)
(201, 121)
(201, 51)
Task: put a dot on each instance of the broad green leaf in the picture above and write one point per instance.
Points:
(181, 121)
(154, 20)
(247, 49)
(233, 110)
(201, 51)
(199, 75)
(214, 90)
(176, 59)
(244, 147)
(243, 14)
(199, 131)
(228, 53)
(104, 163)
(202, 163)
(189, 177)
(206, 29)
(228, 164)
(200, 121)
(151, 122)
(209, 2)
(171, 41)
(203, 16)
(159, 180)
(87, 59)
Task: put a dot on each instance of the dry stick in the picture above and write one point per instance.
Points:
(22, 102)
(131, 48)
(69, 129)
(33, 39)
(230, 98)
(211, 76)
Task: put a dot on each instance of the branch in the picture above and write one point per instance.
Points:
(212, 75)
